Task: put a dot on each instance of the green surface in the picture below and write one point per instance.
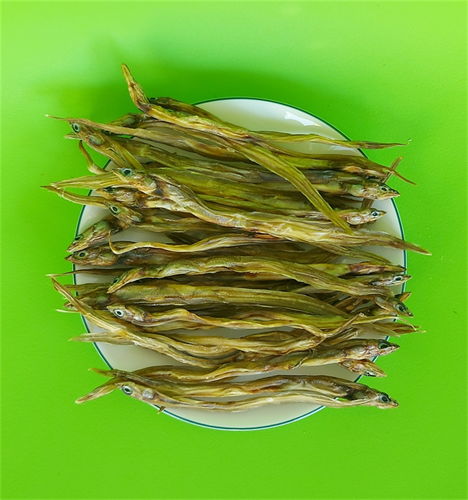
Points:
(384, 71)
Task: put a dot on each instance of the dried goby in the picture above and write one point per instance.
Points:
(241, 264)
(246, 318)
(327, 391)
(153, 253)
(165, 293)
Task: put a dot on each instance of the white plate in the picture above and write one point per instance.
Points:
(256, 115)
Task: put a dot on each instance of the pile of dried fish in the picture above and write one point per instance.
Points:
(263, 239)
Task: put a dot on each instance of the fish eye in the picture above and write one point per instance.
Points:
(384, 188)
(129, 391)
(78, 237)
(76, 127)
(127, 172)
(118, 312)
(385, 398)
(95, 140)
(114, 209)
(398, 278)
(400, 307)
(82, 254)
(375, 213)
(109, 189)
(383, 345)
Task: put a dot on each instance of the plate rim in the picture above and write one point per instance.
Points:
(300, 417)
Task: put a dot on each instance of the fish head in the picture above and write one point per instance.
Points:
(386, 192)
(90, 235)
(390, 279)
(91, 136)
(139, 180)
(374, 214)
(400, 278)
(375, 191)
(99, 256)
(400, 308)
(364, 216)
(384, 347)
(123, 213)
(383, 400)
(138, 391)
(120, 194)
(368, 348)
(127, 313)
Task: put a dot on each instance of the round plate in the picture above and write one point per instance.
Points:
(256, 115)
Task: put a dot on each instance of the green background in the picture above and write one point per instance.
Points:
(383, 71)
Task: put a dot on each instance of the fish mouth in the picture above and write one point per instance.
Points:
(391, 404)
(374, 372)
(392, 193)
(71, 258)
(74, 247)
